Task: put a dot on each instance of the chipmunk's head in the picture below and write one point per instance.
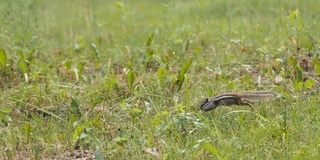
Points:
(207, 105)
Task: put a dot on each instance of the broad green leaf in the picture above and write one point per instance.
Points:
(23, 66)
(292, 62)
(80, 66)
(150, 39)
(183, 70)
(299, 71)
(80, 70)
(28, 131)
(309, 83)
(67, 64)
(31, 55)
(150, 52)
(211, 149)
(130, 74)
(77, 132)
(298, 85)
(317, 68)
(161, 75)
(3, 58)
(22, 63)
(96, 51)
(3, 117)
(21, 56)
(297, 20)
(130, 78)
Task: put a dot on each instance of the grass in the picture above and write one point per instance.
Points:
(124, 79)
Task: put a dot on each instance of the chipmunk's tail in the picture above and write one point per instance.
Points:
(261, 95)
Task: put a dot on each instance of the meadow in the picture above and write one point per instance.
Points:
(125, 79)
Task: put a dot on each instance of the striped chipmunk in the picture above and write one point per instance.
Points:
(239, 99)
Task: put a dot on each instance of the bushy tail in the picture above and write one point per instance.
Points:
(261, 95)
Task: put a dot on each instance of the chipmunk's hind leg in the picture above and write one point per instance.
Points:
(245, 102)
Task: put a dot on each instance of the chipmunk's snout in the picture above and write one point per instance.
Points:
(205, 105)
(204, 101)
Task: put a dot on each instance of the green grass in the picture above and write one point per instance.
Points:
(124, 79)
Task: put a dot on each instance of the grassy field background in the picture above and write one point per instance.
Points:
(124, 79)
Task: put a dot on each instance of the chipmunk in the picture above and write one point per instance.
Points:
(240, 99)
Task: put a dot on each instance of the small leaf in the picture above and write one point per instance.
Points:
(294, 14)
(299, 72)
(3, 59)
(6, 110)
(119, 4)
(77, 132)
